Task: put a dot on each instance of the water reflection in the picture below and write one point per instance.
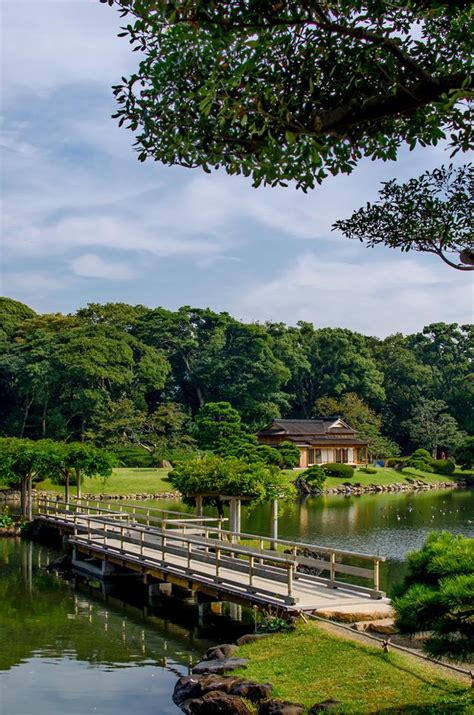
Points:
(65, 650)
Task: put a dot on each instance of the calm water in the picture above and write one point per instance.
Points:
(69, 648)
(66, 649)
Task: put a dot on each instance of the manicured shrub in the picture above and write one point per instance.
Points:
(443, 466)
(367, 470)
(437, 593)
(290, 455)
(421, 454)
(344, 471)
(315, 476)
(268, 455)
(420, 459)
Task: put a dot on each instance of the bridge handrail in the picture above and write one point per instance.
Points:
(74, 506)
(330, 565)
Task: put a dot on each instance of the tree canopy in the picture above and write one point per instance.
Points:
(433, 213)
(129, 377)
(217, 476)
(293, 91)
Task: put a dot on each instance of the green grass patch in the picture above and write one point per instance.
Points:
(310, 665)
(124, 481)
(384, 477)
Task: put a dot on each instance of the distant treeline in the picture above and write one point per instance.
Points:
(122, 375)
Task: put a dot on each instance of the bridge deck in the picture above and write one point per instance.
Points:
(189, 552)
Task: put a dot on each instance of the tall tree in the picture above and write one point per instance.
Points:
(448, 349)
(283, 91)
(431, 214)
(22, 461)
(432, 427)
(338, 361)
(77, 460)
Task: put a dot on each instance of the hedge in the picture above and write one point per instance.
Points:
(345, 471)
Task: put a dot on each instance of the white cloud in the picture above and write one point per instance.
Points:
(57, 42)
(378, 297)
(89, 265)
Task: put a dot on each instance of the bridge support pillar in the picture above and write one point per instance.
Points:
(235, 611)
(107, 568)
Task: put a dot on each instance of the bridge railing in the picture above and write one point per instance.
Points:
(333, 568)
(233, 567)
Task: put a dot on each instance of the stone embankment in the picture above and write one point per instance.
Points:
(416, 485)
(209, 691)
(14, 495)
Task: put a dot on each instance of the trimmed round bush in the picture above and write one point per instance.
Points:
(367, 470)
(334, 469)
(443, 466)
(315, 476)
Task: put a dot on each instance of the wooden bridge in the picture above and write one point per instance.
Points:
(199, 554)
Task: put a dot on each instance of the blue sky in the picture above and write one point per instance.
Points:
(83, 221)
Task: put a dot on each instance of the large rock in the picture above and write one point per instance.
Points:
(280, 707)
(220, 652)
(217, 703)
(383, 625)
(186, 688)
(219, 666)
(255, 692)
(251, 637)
(373, 611)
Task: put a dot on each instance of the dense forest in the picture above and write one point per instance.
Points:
(123, 376)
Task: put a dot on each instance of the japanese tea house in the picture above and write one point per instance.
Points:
(320, 440)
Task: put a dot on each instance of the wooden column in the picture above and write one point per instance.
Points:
(274, 522)
(235, 512)
(198, 501)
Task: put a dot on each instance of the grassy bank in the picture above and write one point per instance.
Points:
(310, 665)
(384, 477)
(123, 481)
(151, 481)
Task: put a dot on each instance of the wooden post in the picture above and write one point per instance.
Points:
(218, 561)
(163, 539)
(142, 536)
(332, 569)
(235, 511)
(274, 523)
(198, 500)
(189, 555)
(251, 563)
(121, 538)
(290, 580)
(376, 575)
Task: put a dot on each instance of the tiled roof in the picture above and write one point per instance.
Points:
(304, 427)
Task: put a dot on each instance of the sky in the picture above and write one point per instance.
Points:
(83, 221)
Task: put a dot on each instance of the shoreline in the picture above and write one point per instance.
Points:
(344, 490)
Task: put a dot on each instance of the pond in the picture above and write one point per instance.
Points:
(66, 647)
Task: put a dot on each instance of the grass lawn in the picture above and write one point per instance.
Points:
(310, 665)
(123, 481)
(383, 477)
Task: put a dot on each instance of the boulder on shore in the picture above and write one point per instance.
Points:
(219, 666)
(280, 707)
(217, 703)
